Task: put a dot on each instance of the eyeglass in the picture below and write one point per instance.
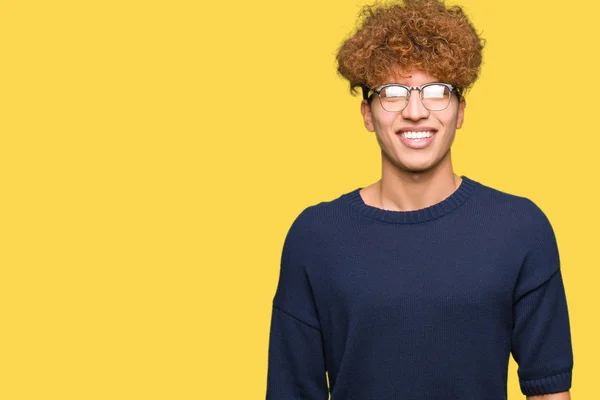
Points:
(394, 97)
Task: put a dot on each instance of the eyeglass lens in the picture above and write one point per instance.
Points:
(433, 97)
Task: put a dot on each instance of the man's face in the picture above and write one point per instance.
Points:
(403, 153)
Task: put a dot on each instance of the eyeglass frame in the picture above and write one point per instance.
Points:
(378, 90)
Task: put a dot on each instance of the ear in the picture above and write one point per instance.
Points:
(461, 113)
(365, 109)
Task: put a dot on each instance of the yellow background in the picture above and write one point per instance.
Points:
(150, 171)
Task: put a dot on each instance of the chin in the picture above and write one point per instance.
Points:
(409, 164)
(411, 167)
(418, 170)
(422, 166)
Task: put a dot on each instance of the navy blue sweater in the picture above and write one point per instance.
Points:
(375, 304)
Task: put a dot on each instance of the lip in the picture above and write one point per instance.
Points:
(417, 144)
(417, 129)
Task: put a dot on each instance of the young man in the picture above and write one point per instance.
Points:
(420, 285)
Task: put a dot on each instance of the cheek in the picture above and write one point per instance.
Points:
(449, 120)
(384, 122)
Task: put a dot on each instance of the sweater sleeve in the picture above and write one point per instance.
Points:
(296, 363)
(541, 337)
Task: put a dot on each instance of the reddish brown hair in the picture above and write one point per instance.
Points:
(421, 34)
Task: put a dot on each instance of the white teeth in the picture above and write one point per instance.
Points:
(417, 135)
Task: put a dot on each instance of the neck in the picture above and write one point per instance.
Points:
(404, 190)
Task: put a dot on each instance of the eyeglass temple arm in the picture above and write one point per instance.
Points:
(365, 91)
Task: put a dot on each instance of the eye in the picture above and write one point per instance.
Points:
(435, 92)
(394, 92)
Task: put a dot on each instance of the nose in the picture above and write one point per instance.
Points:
(415, 110)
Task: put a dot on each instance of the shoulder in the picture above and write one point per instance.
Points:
(321, 215)
(529, 231)
(307, 220)
(317, 224)
(520, 212)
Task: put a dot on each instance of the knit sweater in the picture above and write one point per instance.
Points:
(429, 304)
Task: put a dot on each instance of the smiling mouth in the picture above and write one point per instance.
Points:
(417, 135)
(417, 139)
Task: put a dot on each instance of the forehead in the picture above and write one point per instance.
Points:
(412, 77)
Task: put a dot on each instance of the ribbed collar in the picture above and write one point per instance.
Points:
(458, 197)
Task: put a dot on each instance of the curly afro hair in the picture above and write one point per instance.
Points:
(421, 34)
